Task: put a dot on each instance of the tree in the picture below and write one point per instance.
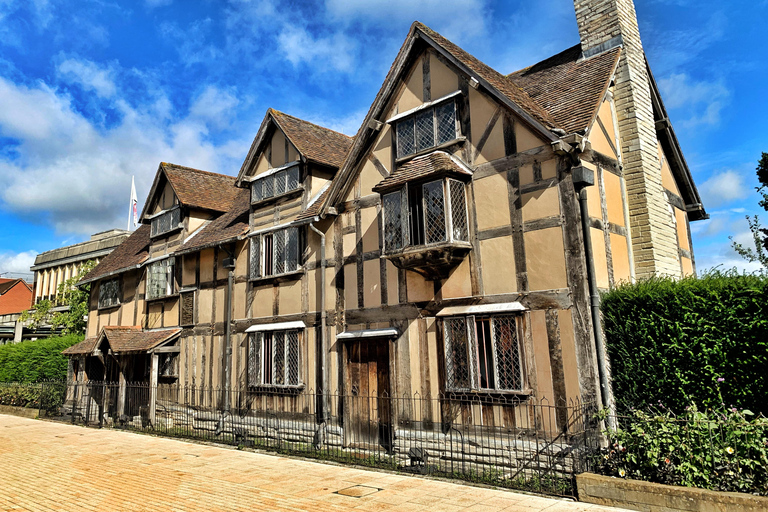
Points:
(73, 319)
(759, 234)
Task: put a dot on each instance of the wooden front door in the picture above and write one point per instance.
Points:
(367, 394)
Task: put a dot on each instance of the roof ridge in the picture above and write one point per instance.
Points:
(551, 57)
(275, 111)
(163, 164)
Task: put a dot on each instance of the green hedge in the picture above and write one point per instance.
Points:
(36, 361)
(700, 341)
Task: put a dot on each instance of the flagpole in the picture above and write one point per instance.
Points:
(132, 205)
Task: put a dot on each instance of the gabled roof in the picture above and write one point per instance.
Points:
(570, 89)
(123, 339)
(315, 143)
(432, 164)
(87, 346)
(7, 284)
(231, 226)
(127, 256)
(15, 296)
(194, 188)
(504, 90)
(133, 339)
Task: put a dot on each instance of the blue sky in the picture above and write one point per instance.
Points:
(96, 91)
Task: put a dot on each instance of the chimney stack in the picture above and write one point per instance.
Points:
(605, 24)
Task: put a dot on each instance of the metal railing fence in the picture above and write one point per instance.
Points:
(498, 440)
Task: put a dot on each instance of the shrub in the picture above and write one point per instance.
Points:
(722, 451)
(670, 341)
(36, 361)
(19, 395)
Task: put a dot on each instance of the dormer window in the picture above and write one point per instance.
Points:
(428, 126)
(165, 222)
(276, 182)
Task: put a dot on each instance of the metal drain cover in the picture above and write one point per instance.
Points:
(358, 491)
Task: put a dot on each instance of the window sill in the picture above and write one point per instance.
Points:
(433, 261)
(276, 389)
(279, 278)
(164, 297)
(444, 145)
(269, 200)
(113, 306)
(490, 394)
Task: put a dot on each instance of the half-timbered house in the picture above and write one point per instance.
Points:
(454, 248)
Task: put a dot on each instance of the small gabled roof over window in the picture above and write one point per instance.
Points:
(434, 164)
(313, 142)
(194, 188)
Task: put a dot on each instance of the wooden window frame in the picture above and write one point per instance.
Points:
(258, 366)
(119, 294)
(435, 128)
(474, 356)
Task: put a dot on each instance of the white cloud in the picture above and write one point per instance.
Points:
(88, 75)
(701, 101)
(335, 52)
(724, 187)
(81, 174)
(16, 262)
(455, 19)
(214, 106)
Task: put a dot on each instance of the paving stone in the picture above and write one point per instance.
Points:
(50, 466)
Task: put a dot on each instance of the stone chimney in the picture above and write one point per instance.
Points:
(604, 24)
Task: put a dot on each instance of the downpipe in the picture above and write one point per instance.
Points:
(322, 416)
(582, 178)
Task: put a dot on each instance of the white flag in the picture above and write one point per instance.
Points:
(133, 213)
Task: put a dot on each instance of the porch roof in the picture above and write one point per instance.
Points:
(84, 347)
(133, 339)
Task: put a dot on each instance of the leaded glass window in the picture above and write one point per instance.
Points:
(165, 222)
(160, 279)
(483, 353)
(275, 253)
(275, 184)
(274, 358)
(426, 129)
(109, 293)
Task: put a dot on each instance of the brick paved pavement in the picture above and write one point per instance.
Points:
(47, 466)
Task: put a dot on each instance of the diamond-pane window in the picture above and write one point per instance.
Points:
(274, 359)
(483, 353)
(406, 144)
(445, 117)
(160, 279)
(275, 253)
(109, 293)
(293, 178)
(166, 222)
(458, 370)
(257, 189)
(425, 130)
(434, 212)
(393, 221)
(281, 181)
(458, 210)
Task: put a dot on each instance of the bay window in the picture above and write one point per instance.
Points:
(425, 214)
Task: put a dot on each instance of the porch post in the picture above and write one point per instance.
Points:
(121, 389)
(153, 388)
